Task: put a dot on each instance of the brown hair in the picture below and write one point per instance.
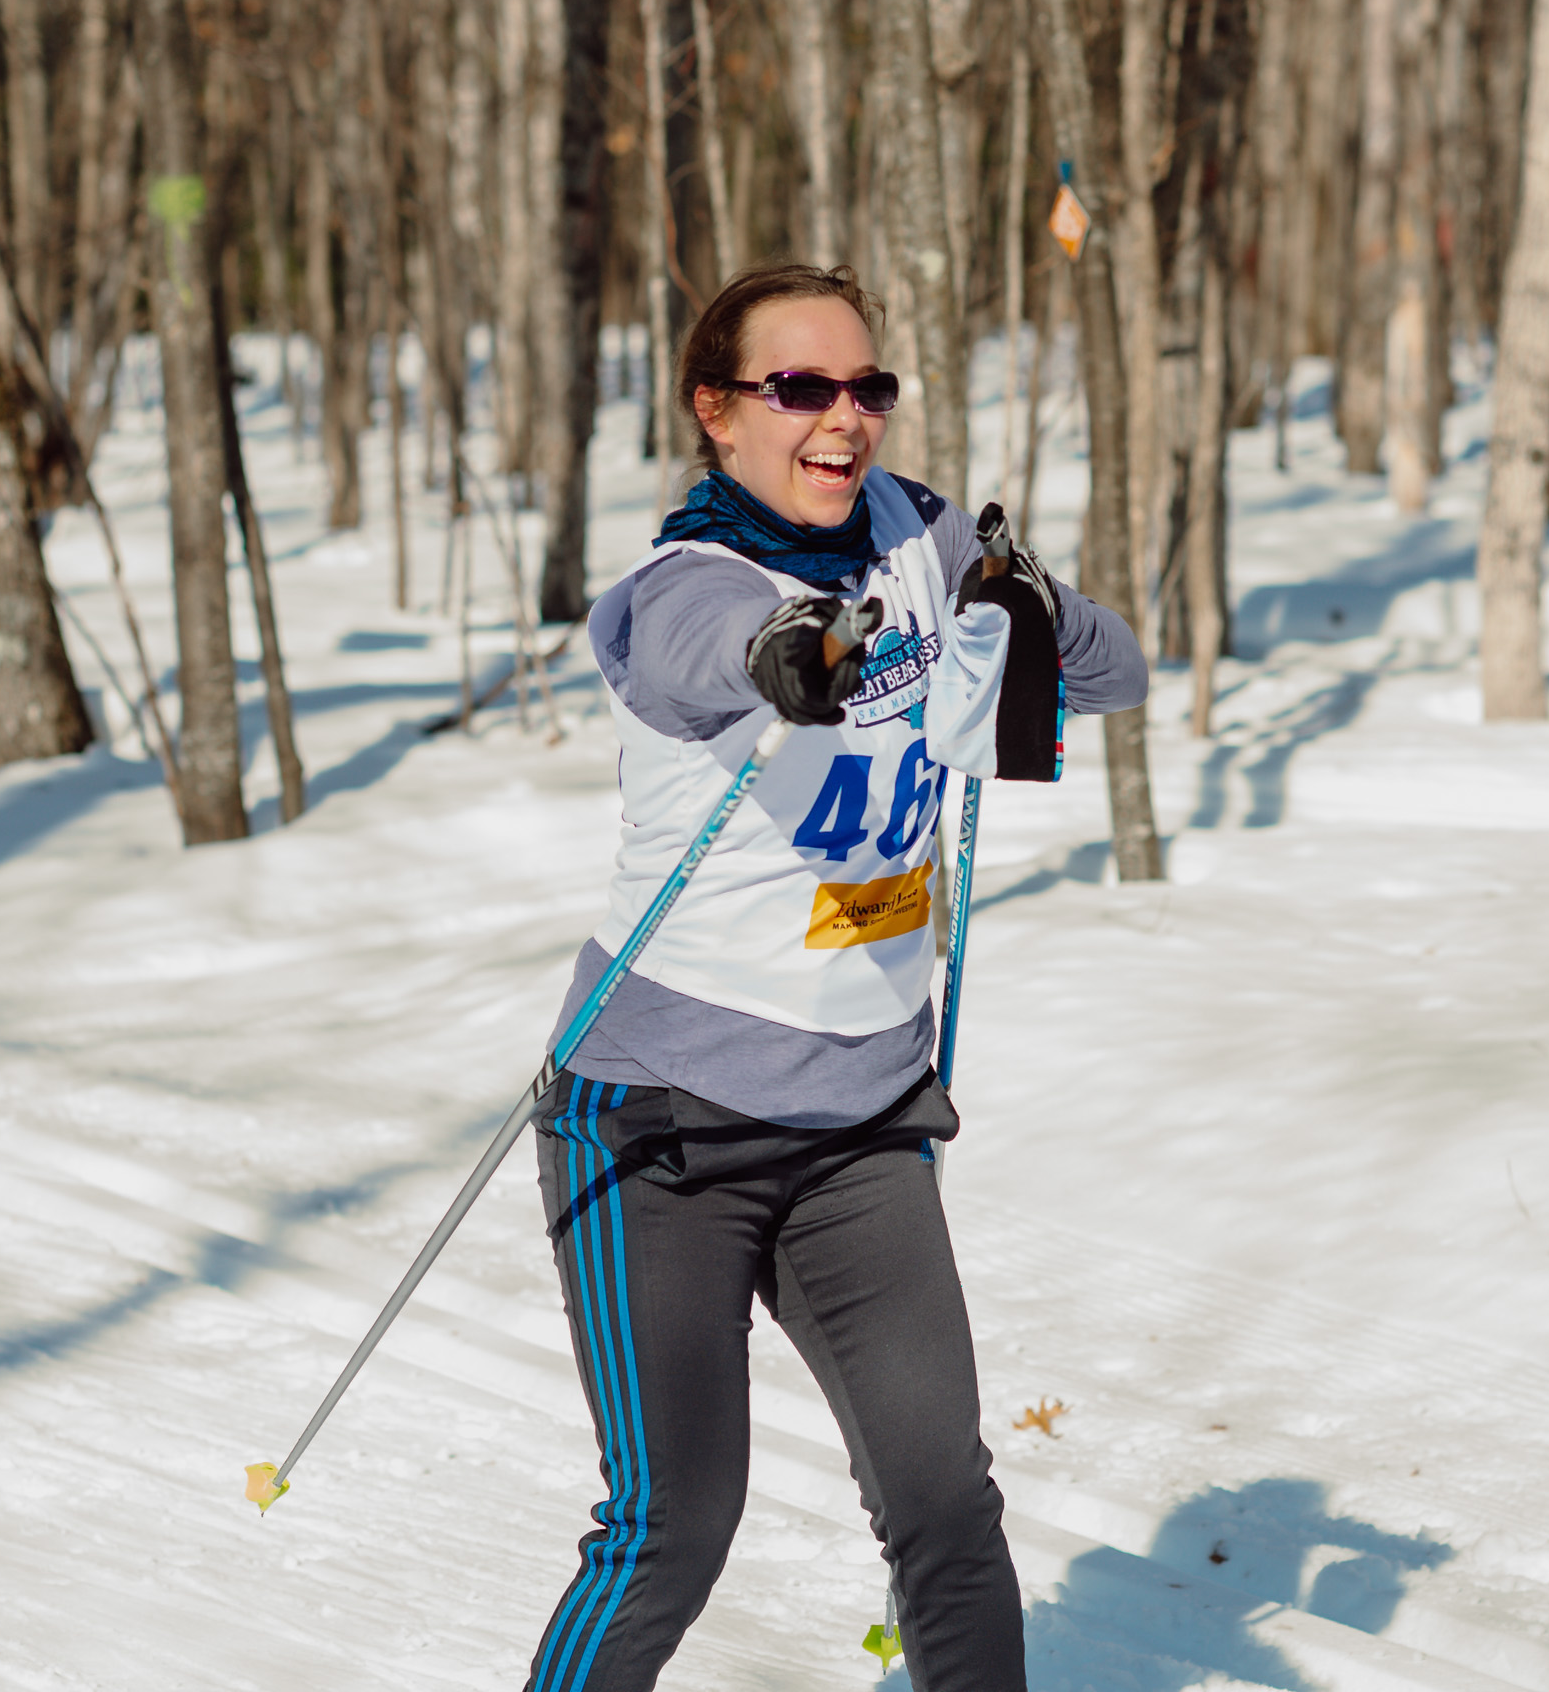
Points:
(711, 354)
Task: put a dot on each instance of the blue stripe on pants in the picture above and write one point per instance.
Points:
(579, 1629)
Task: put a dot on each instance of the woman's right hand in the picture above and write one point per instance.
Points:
(786, 662)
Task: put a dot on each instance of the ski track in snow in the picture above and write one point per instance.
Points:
(1252, 1176)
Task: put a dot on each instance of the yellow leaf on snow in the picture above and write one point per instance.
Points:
(1042, 1418)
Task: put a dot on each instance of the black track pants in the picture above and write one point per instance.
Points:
(667, 1216)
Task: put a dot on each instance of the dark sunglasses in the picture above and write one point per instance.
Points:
(801, 390)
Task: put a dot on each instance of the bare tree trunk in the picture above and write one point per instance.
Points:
(358, 269)
(922, 251)
(812, 78)
(513, 282)
(1413, 403)
(467, 125)
(1274, 141)
(1206, 624)
(713, 141)
(444, 330)
(108, 263)
(387, 174)
(26, 106)
(280, 173)
(88, 192)
(571, 36)
(1331, 145)
(1049, 319)
(952, 62)
(743, 166)
(1315, 240)
(320, 306)
(1015, 265)
(1505, 68)
(1144, 22)
(41, 711)
(1511, 541)
(1460, 181)
(1106, 571)
(210, 742)
(271, 256)
(885, 180)
(1181, 393)
(1361, 376)
(654, 245)
(293, 792)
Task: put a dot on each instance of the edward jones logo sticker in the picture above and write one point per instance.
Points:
(854, 913)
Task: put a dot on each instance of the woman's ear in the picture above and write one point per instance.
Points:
(712, 408)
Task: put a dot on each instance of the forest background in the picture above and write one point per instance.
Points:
(1366, 180)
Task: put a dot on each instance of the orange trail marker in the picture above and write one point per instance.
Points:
(1042, 1418)
(1069, 222)
(261, 1489)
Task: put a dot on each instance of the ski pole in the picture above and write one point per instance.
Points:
(957, 945)
(957, 930)
(994, 534)
(265, 1481)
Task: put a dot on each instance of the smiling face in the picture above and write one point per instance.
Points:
(807, 468)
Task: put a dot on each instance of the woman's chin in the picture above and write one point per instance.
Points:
(824, 505)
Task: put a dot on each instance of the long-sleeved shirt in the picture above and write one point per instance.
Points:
(690, 619)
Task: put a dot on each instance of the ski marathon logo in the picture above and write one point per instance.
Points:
(896, 677)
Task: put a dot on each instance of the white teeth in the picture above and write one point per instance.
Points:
(829, 458)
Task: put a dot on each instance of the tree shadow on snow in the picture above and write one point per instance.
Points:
(1319, 713)
(217, 1260)
(1165, 1622)
(1082, 863)
(1352, 602)
(67, 788)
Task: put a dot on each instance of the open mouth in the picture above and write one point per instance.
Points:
(830, 469)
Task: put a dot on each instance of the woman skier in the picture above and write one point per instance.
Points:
(753, 1113)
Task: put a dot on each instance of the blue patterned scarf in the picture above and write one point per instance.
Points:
(720, 509)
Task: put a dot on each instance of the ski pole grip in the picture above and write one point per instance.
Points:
(994, 534)
(850, 628)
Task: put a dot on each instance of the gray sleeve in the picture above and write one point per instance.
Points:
(1105, 670)
(692, 617)
(957, 542)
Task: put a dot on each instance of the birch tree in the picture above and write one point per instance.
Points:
(1014, 262)
(813, 90)
(1413, 402)
(1511, 541)
(1274, 157)
(712, 141)
(513, 347)
(41, 710)
(922, 245)
(26, 115)
(952, 63)
(1106, 570)
(1140, 76)
(569, 43)
(1362, 397)
(654, 244)
(210, 746)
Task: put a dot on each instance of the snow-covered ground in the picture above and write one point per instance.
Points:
(1254, 1177)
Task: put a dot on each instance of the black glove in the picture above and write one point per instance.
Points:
(785, 660)
(994, 534)
(1029, 719)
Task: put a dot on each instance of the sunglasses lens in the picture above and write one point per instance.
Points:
(875, 393)
(798, 390)
(801, 390)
